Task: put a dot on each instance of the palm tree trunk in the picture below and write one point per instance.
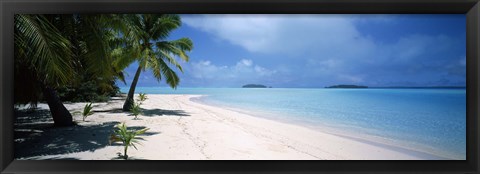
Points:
(61, 116)
(125, 156)
(127, 106)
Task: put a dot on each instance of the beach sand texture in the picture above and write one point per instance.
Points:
(181, 129)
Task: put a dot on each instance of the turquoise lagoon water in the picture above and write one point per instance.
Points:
(431, 121)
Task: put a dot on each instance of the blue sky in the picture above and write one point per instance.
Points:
(320, 50)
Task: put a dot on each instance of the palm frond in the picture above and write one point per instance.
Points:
(127, 137)
(170, 76)
(142, 97)
(163, 25)
(155, 67)
(176, 47)
(98, 57)
(46, 50)
(121, 76)
(165, 55)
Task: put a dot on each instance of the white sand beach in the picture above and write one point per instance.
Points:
(181, 129)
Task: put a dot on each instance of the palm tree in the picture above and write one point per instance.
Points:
(42, 56)
(147, 34)
(127, 137)
(51, 50)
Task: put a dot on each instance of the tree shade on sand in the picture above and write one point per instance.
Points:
(54, 50)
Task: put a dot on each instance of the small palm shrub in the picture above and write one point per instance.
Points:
(142, 97)
(87, 111)
(127, 137)
(136, 110)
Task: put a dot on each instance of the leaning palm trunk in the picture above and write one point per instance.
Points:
(127, 106)
(52, 49)
(145, 36)
(61, 116)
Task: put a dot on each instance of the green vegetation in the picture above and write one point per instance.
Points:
(53, 51)
(79, 57)
(136, 110)
(87, 111)
(142, 97)
(149, 31)
(347, 86)
(254, 86)
(89, 91)
(127, 137)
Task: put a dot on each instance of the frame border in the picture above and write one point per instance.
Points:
(471, 8)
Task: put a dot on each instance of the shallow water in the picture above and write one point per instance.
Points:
(427, 120)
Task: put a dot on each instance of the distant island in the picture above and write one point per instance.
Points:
(346, 86)
(255, 86)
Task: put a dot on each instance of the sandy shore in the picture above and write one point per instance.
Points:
(181, 129)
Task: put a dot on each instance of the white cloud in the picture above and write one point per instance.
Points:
(356, 79)
(315, 36)
(324, 64)
(263, 71)
(205, 70)
(245, 62)
(292, 34)
(244, 71)
(249, 31)
(321, 47)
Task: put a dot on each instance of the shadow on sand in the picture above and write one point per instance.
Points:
(54, 158)
(121, 157)
(35, 135)
(151, 112)
(164, 112)
(114, 111)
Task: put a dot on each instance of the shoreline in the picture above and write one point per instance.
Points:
(181, 129)
(332, 129)
(329, 129)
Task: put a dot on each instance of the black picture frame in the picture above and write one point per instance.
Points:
(10, 7)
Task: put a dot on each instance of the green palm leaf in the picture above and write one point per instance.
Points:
(44, 48)
(163, 25)
(170, 76)
(147, 35)
(127, 137)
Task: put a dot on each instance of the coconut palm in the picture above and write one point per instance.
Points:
(127, 137)
(87, 111)
(42, 56)
(136, 110)
(142, 97)
(52, 50)
(147, 35)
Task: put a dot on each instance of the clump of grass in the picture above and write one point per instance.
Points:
(136, 110)
(87, 111)
(142, 97)
(127, 137)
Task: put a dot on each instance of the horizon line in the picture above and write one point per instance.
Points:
(309, 87)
